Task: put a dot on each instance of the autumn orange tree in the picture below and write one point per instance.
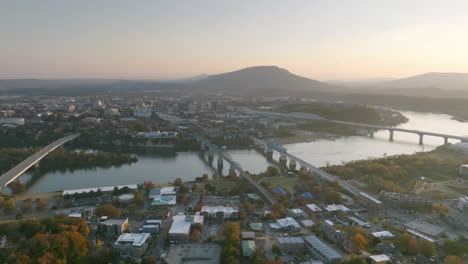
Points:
(452, 259)
(108, 210)
(358, 243)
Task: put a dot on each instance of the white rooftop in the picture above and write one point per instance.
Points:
(379, 258)
(314, 208)
(135, 239)
(103, 189)
(336, 207)
(214, 209)
(288, 221)
(180, 225)
(383, 234)
(307, 223)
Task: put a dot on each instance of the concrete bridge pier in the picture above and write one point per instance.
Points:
(269, 154)
(421, 139)
(203, 147)
(37, 165)
(292, 165)
(304, 168)
(283, 160)
(391, 135)
(445, 140)
(371, 133)
(232, 171)
(210, 157)
(220, 164)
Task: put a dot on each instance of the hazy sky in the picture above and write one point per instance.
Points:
(321, 39)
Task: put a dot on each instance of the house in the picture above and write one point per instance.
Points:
(288, 224)
(112, 227)
(336, 236)
(336, 207)
(296, 213)
(288, 245)
(163, 196)
(132, 245)
(220, 212)
(182, 225)
(313, 209)
(248, 247)
(321, 251)
(379, 259)
(256, 226)
(248, 235)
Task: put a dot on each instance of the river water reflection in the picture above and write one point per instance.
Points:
(162, 168)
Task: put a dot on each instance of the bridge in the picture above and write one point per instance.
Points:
(392, 129)
(371, 128)
(19, 169)
(284, 156)
(222, 155)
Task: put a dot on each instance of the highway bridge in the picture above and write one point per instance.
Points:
(284, 155)
(19, 169)
(234, 166)
(371, 128)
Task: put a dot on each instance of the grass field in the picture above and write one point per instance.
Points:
(224, 185)
(285, 183)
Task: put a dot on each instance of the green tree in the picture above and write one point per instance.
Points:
(148, 260)
(26, 205)
(9, 206)
(354, 260)
(427, 248)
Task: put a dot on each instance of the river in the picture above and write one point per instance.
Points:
(163, 168)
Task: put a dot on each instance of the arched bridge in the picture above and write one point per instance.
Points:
(19, 169)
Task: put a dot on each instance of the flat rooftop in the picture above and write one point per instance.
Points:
(194, 253)
(135, 239)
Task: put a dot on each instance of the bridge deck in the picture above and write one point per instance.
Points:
(19, 169)
(238, 167)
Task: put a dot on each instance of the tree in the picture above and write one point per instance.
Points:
(17, 187)
(452, 259)
(454, 248)
(178, 182)
(132, 208)
(9, 206)
(139, 199)
(249, 207)
(26, 205)
(413, 247)
(427, 248)
(148, 260)
(40, 205)
(272, 171)
(354, 260)
(196, 235)
(205, 177)
(277, 210)
(215, 176)
(108, 210)
(403, 241)
(358, 243)
(258, 257)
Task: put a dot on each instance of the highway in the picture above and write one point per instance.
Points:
(320, 173)
(309, 116)
(19, 169)
(238, 168)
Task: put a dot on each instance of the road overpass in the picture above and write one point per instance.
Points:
(284, 155)
(371, 128)
(234, 166)
(19, 169)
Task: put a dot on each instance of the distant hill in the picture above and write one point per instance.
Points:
(439, 80)
(259, 79)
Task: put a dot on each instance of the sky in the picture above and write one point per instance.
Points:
(152, 39)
